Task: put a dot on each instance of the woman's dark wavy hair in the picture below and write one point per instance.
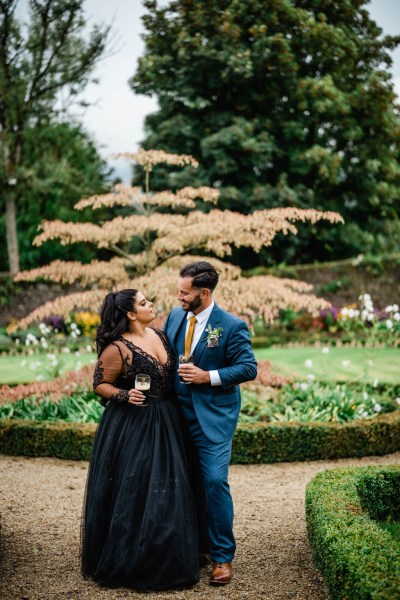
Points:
(114, 320)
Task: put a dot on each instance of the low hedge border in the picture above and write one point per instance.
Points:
(252, 443)
(358, 559)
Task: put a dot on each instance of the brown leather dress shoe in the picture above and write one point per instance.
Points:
(221, 573)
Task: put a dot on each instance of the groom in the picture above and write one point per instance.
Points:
(223, 358)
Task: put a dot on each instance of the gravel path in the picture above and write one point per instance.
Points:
(40, 504)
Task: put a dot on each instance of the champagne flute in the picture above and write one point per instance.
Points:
(185, 360)
(142, 383)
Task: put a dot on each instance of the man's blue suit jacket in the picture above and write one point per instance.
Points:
(217, 407)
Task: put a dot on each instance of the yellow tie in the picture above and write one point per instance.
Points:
(189, 336)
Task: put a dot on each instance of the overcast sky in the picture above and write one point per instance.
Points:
(116, 118)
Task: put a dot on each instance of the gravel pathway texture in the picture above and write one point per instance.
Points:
(41, 503)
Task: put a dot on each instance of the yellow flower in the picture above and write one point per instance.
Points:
(87, 321)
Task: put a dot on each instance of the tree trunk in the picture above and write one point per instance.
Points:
(12, 239)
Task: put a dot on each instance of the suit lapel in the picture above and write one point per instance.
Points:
(213, 320)
(175, 326)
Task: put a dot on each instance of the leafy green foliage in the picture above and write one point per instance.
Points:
(380, 495)
(76, 408)
(252, 443)
(47, 56)
(315, 402)
(284, 104)
(356, 557)
(61, 165)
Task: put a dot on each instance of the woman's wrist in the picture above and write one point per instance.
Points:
(120, 396)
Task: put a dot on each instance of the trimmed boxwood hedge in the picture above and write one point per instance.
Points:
(357, 557)
(252, 443)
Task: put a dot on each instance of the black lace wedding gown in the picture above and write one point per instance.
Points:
(139, 526)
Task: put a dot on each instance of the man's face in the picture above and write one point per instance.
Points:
(190, 298)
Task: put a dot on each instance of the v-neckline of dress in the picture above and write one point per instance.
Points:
(130, 343)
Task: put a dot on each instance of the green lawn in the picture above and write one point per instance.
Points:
(12, 372)
(291, 361)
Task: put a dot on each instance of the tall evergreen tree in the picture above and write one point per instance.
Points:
(285, 103)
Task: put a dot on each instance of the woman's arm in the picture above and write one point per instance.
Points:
(107, 370)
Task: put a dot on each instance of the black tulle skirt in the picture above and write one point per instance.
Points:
(140, 523)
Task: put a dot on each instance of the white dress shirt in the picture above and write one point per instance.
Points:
(199, 328)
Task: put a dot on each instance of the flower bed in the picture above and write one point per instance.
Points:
(357, 557)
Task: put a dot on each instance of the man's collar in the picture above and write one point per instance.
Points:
(203, 315)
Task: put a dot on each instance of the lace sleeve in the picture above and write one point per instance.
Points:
(107, 370)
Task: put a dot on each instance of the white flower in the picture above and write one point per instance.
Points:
(388, 308)
(88, 348)
(398, 401)
(66, 350)
(303, 386)
(395, 308)
(377, 407)
(396, 316)
(51, 356)
(39, 378)
(345, 363)
(345, 311)
(77, 353)
(389, 324)
(365, 395)
(17, 341)
(308, 363)
(356, 261)
(371, 316)
(325, 350)
(310, 377)
(73, 334)
(375, 382)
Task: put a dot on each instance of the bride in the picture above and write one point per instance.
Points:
(139, 526)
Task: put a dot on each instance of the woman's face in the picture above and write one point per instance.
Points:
(144, 312)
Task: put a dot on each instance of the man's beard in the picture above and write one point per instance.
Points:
(193, 305)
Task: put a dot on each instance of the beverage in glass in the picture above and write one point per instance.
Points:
(142, 383)
(185, 360)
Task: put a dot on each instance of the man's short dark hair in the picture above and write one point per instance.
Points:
(204, 275)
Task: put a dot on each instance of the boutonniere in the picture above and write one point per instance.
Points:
(212, 336)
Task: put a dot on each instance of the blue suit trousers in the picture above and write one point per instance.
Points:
(214, 463)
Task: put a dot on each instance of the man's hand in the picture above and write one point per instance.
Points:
(192, 374)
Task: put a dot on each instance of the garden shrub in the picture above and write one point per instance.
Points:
(358, 559)
(252, 443)
(380, 495)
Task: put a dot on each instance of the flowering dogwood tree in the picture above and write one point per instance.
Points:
(169, 228)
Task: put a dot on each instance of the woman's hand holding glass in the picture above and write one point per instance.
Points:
(136, 395)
